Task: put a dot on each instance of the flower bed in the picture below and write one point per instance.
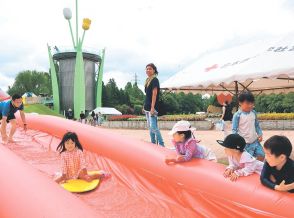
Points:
(137, 119)
(276, 116)
(191, 117)
(121, 117)
(195, 117)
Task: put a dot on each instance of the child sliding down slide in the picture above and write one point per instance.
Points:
(73, 162)
(186, 145)
(241, 163)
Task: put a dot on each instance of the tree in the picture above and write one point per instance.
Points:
(31, 81)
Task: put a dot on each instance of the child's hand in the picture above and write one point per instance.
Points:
(169, 160)
(284, 188)
(180, 158)
(228, 172)
(234, 177)
(260, 138)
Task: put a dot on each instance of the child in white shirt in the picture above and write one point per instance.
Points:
(241, 163)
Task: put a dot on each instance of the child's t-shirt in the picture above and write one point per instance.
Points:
(72, 162)
(246, 125)
(246, 166)
(191, 149)
(286, 173)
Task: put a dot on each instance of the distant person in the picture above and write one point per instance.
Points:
(227, 117)
(245, 123)
(82, 117)
(7, 111)
(93, 115)
(70, 114)
(187, 147)
(73, 164)
(151, 105)
(99, 118)
(241, 163)
(278, 170)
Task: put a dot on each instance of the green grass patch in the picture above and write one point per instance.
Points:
(40, 109)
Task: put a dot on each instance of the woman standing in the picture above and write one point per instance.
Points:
(227, 117)
(152, 89)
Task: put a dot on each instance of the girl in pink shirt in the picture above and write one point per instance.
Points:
(187, 147)
(73, 164)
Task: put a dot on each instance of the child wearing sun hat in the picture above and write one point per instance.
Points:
(187, 147)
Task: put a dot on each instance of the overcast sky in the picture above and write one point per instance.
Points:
(169, 33)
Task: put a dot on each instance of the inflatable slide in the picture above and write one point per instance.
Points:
(142, 185)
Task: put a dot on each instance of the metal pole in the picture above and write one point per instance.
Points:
(236, 94)
(77, 28)
(72, 36)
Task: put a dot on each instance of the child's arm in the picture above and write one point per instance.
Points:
(257, 127)
(235, 122)
(230, 169)
(284, 188)
(247, 170)
(183, 158)
(191, 147)
(265, 176)
(82, 160)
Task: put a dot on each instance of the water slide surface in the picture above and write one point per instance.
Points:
(142, 185)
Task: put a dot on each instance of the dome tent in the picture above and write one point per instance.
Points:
(3, 95)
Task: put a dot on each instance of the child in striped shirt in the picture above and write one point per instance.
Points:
(186, 145)
(73, 163)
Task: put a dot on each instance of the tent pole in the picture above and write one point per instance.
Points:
(236, 94)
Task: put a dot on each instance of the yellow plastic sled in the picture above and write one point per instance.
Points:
(79, 186)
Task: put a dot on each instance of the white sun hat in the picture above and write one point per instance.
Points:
(181, 126)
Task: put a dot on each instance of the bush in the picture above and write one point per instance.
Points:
(138, 109)
(124, 109)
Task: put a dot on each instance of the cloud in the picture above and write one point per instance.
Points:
(121, 78)
(171, 34)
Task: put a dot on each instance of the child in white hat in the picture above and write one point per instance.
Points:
(186, 145)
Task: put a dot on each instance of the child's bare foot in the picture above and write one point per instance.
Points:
(104, 175)
(10, 140)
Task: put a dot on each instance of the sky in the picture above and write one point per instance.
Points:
(172, 34)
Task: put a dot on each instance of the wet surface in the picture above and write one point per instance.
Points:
(127, 194)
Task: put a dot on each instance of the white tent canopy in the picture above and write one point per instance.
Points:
(262, 66)
(107, 111)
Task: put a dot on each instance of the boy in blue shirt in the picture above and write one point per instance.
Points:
(7, 111)
(278, 169)
(245, 124)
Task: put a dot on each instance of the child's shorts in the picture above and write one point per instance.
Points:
(255, 149)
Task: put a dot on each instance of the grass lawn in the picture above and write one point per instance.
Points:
(40, 109)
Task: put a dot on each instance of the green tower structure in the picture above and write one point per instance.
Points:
(73, 85)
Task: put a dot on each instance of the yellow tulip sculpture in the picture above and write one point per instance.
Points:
(86, 23)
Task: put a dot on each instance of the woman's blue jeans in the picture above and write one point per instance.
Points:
(155, 134)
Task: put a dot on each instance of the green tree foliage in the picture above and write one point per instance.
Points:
(278, 103)
(31, 81)
(130, 100)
